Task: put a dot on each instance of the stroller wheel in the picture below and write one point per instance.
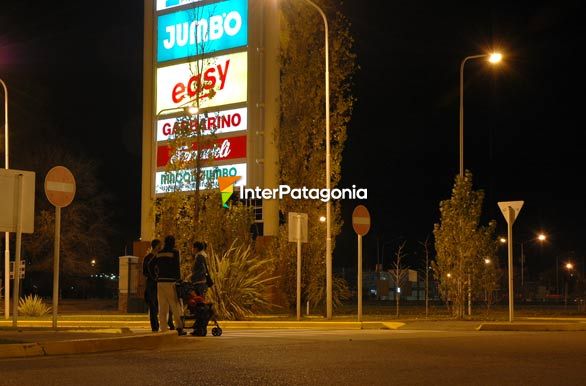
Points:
(216, 331)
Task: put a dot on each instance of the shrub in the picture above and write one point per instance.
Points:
(32, 305)
(242, 281)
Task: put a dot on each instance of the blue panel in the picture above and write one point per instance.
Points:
(202, 30)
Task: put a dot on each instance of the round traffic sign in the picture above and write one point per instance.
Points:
(60, 186)
(361, 220)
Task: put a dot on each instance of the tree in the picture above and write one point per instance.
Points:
(399, 274)
(425, 245)
(301, 136)
(462, 244)
(85, 224)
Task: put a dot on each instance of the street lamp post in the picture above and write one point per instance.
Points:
(569, 267)
(492, 58)
(541, 238)
(328, 177)
(6, 235)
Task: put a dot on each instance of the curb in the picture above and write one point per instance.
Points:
(532, 327)
(313, 325)
(86, 346)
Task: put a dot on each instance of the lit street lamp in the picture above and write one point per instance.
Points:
(493, 58)
(328, 177)
(6, 235)
(569, 267)
(540, 237)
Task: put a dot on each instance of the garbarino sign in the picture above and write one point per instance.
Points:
(223, 149)
(215, 81)
(184, 180)
(202, 30)
(217, 122)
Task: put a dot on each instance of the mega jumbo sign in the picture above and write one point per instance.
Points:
(223, 149)
(202, 30)
(184, 180)
(217, 122)
(215, 81)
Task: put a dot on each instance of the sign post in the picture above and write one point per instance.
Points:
(60, 190)
(361, 225)
(298, 233)
(510, 210)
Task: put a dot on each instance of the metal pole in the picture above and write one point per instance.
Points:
(359, 285)
(328, 204)
(6, 234)
(298, 267)
(15, 291)
(522, 268)
(462, 109)
(56, 264)
(510, 250)
(462, 117)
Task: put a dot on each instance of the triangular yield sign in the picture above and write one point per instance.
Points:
(515, 205)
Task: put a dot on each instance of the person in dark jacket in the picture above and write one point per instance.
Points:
(200, 268)
(150, 292)
(167, 263)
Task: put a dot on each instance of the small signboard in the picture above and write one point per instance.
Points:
(361, 220)
(60, 186)
(292, 225)
(9, 199)
(515, 205)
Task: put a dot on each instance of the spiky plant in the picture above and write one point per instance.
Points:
(242, 281)
(32, 305)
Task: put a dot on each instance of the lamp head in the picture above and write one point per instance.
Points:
(541, 237)
(495, 57)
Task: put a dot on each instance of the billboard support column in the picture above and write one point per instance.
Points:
(147, 226)
(270, 208)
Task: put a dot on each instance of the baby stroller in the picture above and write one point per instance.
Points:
(198, 310)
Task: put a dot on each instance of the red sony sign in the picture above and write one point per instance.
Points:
(222, 149)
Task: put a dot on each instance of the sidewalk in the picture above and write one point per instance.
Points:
(78, 334)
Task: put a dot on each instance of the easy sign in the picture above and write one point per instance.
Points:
(215, 81)
(202, 30)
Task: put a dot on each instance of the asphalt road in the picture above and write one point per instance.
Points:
(311, 357)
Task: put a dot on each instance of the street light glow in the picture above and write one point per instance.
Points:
(322, 218)
(569, 266)
(541, 237)
(486, 261)
(503, 240)
(495, 57)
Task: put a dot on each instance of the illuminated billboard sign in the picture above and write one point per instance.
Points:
(202, 30)
(220, 122)
(184, 180)
(216, 81)
(223, 149)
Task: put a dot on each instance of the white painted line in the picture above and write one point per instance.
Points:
(60, 186)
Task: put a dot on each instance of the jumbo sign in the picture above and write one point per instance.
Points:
(202, 30)
(215, 81)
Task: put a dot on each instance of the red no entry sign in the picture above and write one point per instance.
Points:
(60, 186)
(361, 220)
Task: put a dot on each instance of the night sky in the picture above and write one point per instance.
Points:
(77, 68)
